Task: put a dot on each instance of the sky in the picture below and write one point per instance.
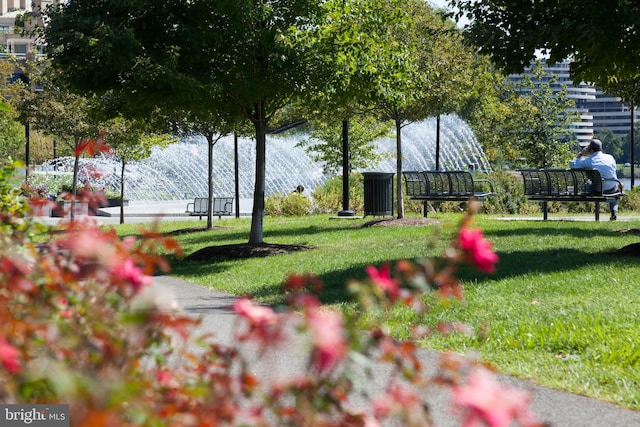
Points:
(444, 4)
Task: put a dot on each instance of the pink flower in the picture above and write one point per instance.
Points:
(382, 279)
(130, 272)
(263, 322)
(255, 314)
(487, 402)
(328, 338)
(10, 356)
(478, 248)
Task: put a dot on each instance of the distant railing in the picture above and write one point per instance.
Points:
(21, 56)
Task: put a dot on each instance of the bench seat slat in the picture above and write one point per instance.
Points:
(444, 186)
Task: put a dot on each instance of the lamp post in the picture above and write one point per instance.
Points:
(345, 171)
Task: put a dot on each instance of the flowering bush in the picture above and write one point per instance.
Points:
(34, 190)
(81, 325)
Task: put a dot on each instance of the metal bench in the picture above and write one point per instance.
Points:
(441, 186)
(222, 206)
(568, 185)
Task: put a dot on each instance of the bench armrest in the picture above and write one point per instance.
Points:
(486, 181)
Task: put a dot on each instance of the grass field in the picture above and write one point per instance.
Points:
(561, 310)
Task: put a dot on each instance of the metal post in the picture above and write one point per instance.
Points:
(345, 171)
(438, 142)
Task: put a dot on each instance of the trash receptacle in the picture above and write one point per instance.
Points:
(378, 193)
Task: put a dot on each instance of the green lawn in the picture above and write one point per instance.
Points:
(560, 310)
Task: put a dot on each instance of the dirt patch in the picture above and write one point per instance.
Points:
(244, 250)
(632, 250)
(400, 222)
(195, 230)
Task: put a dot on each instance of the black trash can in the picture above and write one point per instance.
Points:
(378, 193)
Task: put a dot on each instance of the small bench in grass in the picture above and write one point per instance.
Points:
(568, 185)
(222, 206)
(445, 186)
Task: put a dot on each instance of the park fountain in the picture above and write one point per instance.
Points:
(179, 171)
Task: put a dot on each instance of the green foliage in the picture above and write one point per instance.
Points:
(328, 197)
(294, 204)
(325, 144)
(632, 201)
(14, 205)
(544, 133)
(510, 197)
(513, 33)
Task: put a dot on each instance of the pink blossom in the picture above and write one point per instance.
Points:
(10, 356)
(263, 322)
(130, 272)
(254, 313)
(487, 402)
(328, 338)
(478, 248)
(382, 279)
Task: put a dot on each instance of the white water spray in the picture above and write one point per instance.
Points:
(179, 171)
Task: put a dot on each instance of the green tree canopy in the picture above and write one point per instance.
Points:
(173, 54)
(601, 37)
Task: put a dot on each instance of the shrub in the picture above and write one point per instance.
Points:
(632, 201)
(81, 325)
(293, 204)
(328, 197)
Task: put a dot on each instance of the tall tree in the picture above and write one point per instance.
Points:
(131, 140)
(433, 79)
(545, 130)
(170, 54)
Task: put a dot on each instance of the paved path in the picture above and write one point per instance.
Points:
(557, 408)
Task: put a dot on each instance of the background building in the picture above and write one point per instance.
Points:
(598, 111)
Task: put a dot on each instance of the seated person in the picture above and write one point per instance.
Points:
(592, 157)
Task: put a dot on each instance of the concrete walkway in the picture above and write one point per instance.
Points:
(555, 407)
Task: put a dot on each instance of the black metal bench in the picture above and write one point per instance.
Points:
(222, 206)
(449, 186)
(568, 185)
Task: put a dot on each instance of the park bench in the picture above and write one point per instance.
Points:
(222, 206)
(449, 186)
(567, 185)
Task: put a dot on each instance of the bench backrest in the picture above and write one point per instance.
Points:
(432, 183)
(562, 182)
(200, 204)
(222, 204)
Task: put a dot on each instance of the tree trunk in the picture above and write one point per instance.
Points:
(256, 236)
(122, 191)
(210, 143)
(74, 184)
(399, 197)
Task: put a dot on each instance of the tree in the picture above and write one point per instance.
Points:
(493, 110)
(545, 131)
(55, 111)
(432, 80)
(601, 37)
(170, 54)
(212, 124)
(131, 140)
(325, 144)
